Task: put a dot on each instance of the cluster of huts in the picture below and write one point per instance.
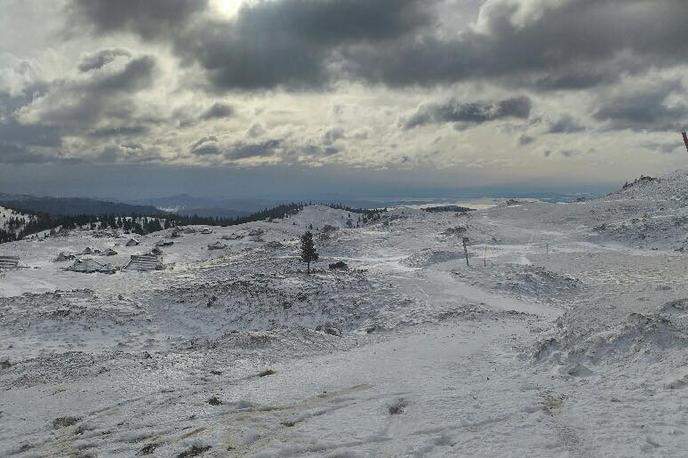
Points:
(86, 262)
(9, 262)
(141, 262)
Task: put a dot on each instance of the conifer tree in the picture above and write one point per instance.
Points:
(308, 252)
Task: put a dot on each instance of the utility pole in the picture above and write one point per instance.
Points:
(465, 250)
(685, 139)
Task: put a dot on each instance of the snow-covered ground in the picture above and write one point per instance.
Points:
(561, 338)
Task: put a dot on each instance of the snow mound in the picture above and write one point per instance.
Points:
(537, 281)
(639, 337)
(657, 227)
(259, 302)
(428, 257)
(217, 246)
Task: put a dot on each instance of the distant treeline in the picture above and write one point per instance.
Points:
(448, 208)
(34, 222)
(19, 227)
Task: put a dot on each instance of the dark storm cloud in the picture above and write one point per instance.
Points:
(645, 109)
(17, 141)
(579, 34)
(101, 58)
(149, 18)
(308, 44)
(218, 110)
(454, 111)
(333, 22)
(293, 43)
(288, 43)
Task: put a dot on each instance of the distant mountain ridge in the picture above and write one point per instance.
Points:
(72, 206)
(188, 205)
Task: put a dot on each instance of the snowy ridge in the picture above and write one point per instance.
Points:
(671, 188)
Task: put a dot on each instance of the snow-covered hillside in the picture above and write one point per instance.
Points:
(7, 215)
(561, 338)
(672, 188)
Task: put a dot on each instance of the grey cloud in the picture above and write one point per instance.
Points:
(306, 153)
(210, 146)
(149, 19)
(32, 135)
(256, 130)
(218, 110)
(245, 151)
(525, 140)
(332, 134)
(101, 58)
(17, 141)
(11, 153)
(645, 109)
(78, 103)
(306, 44)
(569, 153)
(136, 75)
(206, 146)
(573, 77)
(665, 147)
(118, 131)
(289, 43)
(207, 149)
(454, 111)
(131, 153)
(550, 47)
(565, 125)
(333, 22)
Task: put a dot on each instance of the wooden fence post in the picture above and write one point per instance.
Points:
(465, 250)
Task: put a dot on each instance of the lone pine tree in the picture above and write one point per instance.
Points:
(308, 253)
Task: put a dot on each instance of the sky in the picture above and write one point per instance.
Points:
(240, 98)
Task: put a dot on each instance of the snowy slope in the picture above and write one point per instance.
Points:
(671, 188)
(557, 340)
(6, 214)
